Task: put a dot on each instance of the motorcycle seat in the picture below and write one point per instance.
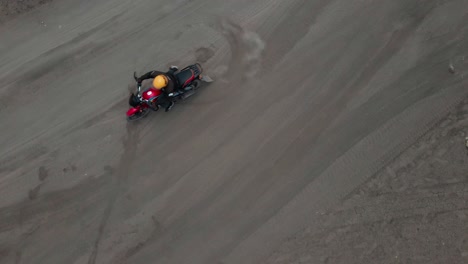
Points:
(185, 77)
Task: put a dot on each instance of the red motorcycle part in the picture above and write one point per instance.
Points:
(133, 110)
(151, 94)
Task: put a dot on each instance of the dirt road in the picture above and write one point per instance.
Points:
(311, 99)
(414, 210)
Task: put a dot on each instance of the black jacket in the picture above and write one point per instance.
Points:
(172, 81)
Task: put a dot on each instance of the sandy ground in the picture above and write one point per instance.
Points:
(414, 210)
(303, 150)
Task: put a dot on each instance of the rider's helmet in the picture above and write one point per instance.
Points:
(160, 82)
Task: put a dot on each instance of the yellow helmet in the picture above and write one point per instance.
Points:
(160, 82)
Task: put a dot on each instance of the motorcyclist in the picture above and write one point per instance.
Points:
(165, 81)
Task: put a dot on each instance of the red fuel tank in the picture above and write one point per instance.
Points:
(150, 94)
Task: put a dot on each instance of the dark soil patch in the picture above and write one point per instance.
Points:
(12, 8)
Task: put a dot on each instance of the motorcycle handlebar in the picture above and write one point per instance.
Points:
(139, 88)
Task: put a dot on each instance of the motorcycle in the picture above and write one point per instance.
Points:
(189, 80)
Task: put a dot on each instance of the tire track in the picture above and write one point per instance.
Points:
(121, 173)
(297, 17)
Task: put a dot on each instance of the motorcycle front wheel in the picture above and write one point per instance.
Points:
(138, 115)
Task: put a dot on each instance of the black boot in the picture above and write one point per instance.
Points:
(169, 107)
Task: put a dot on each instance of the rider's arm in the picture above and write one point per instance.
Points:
(148, 75)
